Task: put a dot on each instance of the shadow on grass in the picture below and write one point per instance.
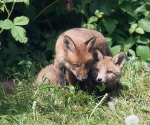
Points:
(15, 102)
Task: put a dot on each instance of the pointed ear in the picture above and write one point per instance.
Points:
(119, 59)
(68, 44)
(90, 44)
(97, 55)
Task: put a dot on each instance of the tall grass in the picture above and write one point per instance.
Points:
(48, 105)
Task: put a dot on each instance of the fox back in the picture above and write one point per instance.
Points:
(74, 50)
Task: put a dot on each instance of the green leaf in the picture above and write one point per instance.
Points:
(117, 37)
(101, 87)
(144, 24)
(142, 40)
(26, 2)
(127, 8)
(1, 23)
(22, 20)
(139, 30)
(26, 63)
(6, 24)
(91, 26)
(71, 89)
(116, 49)
(110, 24)
(143, 52)
(131, 19)
(92, 19)
(84, 24)
(17, 1)
(19, 34)
(12, 49)
(7, 1)
(134, 25)
(131, 30)
(146, 14)
(45, 86)
(105, 6)
(141, 9)
(131, 52)
(129, 43)
(2, 7)
(120, 1)
(97, 12)
(109, 40)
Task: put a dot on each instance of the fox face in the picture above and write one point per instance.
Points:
(78, 58)
(74, 49)
(107, 69)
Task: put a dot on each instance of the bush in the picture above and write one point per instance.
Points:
(29, 29)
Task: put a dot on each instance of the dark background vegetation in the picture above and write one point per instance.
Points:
(124, 23)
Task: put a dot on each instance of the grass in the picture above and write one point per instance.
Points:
(55, 107)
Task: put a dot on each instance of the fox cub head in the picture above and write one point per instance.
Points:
(107, 69)
(78, 56)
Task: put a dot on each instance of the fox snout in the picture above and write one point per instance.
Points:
(101, 80)
(81, 78)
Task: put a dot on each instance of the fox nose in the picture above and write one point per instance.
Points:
(83, 79)
(99, 79)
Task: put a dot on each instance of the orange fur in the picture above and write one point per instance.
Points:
(74, 52)
(105, 70)
(51, 74)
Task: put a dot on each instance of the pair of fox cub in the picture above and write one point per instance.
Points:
(86, 59)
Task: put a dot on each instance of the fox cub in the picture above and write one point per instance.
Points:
(53, 75)
(74, 50)
(106, 70)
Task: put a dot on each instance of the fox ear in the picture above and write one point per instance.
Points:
(119, 59)
(90, 44)
(69, 44)
(97, 55)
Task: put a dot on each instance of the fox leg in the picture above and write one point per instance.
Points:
(71, 78)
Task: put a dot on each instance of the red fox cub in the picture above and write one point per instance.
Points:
(53, 75)
(106, 70)
(74, 52)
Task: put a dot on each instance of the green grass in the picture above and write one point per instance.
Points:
(55, 107)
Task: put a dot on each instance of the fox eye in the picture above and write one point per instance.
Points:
(97, 70)
(109, 71)
(76, 65)
(88, 64)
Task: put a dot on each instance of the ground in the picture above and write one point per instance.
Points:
(55, 107)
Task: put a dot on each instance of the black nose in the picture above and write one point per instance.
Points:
(83, 79)
(99, 79)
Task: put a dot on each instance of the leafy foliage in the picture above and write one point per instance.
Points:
(17, 31)
(125, 25)
(124, 22)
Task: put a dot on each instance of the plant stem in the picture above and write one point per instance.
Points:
(34, 112)
(104, 97)
(9, 13)
(11, 10)
(43, 11)
(6, 8)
